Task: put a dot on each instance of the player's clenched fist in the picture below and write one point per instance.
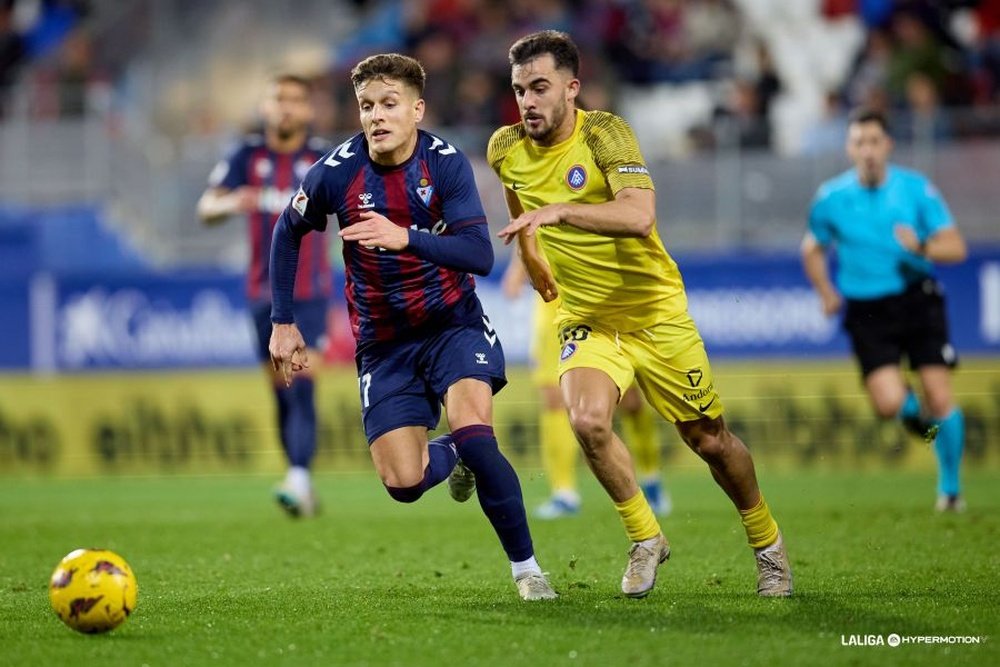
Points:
(288, 351)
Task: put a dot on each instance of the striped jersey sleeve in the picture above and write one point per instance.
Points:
(500, 144)
(616, 151)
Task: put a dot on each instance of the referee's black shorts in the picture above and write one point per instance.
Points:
(913, 323)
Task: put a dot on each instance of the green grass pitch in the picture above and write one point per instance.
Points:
(225, 579)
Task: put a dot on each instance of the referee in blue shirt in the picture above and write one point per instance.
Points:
(888, 226)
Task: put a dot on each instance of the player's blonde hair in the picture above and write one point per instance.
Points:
(390, 66)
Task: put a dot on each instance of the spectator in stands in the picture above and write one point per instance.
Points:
(11, 51)
(870, 71)
(924, 119)
(656, 47)
(826, 135)
(915, 50)
(437, 53)
(987, 54)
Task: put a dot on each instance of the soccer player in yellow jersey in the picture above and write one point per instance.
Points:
(576, 181)
(558, 444)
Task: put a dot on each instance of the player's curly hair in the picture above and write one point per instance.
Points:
(557, 43)
(390, 66)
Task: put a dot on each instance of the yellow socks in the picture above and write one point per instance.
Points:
(762, 530)
(640, 523)
(559, 449)
(639, 431)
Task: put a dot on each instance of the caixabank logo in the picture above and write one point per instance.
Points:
(129, 328)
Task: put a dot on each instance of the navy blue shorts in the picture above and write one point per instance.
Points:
(402, 383)
(310, 318)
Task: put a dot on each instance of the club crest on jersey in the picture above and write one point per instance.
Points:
(366, 200)
(567, 351)
(576, 177)
(425, 191)
(300, 201)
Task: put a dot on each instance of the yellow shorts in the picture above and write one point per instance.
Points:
(667, 361)
(545, 344)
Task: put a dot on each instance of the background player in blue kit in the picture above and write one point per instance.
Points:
(414, 229)
(888, 226)
(257, 179)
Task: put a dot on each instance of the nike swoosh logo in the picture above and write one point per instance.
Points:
(702, 408)
(515, 186)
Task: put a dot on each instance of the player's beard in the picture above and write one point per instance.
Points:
(543, 135)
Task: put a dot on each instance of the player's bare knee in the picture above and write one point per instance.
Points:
(710, 447)
(885, 409)
(708, 438)
(399, 478)
(592, 429)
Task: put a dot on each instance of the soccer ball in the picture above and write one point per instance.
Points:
(93, 590)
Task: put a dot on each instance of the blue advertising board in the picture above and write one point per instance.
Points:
(746, 306)
(144, 321)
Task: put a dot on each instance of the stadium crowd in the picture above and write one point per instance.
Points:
(917, 58)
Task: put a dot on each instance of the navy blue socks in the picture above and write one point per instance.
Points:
(297, 421)
(498, 488)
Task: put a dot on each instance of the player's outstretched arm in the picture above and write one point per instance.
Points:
(218, 204)
(286, 347)
(816, 268)
(632, 213)
(528, 263)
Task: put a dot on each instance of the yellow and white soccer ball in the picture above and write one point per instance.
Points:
(93, 590)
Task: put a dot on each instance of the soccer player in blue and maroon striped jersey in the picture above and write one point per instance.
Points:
(258, 179)
(414, 229)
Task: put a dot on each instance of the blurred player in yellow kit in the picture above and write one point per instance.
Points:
(559, 448)
(576, 184)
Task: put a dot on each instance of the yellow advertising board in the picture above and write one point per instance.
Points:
(789, 413)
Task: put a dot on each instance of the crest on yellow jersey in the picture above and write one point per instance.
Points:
(576, 177)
